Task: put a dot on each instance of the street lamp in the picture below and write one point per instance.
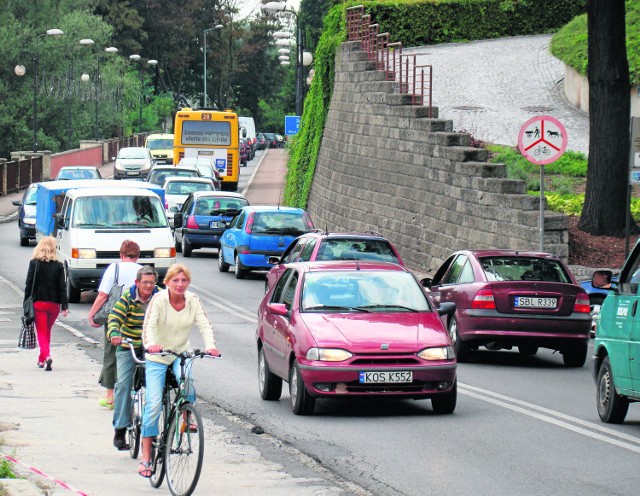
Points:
(204, 75)
(135, 57)
(20, 71)
(98, 82)
(82, 42)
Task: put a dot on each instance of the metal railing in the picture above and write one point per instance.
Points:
(413, 78)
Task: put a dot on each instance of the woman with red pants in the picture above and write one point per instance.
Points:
(49, 294)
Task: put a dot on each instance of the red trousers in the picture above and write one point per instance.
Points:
(46, 314)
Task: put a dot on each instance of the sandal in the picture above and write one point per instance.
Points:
(106, 402)
(145, 470)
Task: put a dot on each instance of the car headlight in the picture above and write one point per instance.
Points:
(29, 220)
(328, 354)
(83, 253)
(439, 353)
(162, 253)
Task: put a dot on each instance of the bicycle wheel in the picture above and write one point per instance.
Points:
(184, 450)
(157, 447)
(135, 428)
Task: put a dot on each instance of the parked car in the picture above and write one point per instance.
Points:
(27, 214)
(321, 245)
(160, 172)
(353, 329)
(244, 153)
(258, 233)
(178, 189)
(203, 218)
(616, 368)
(272, 141)
(132, 163)
(506, 298)
(261, 141)
(78, 172)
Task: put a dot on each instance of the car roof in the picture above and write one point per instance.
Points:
(273, 208)
(346, 265)
(508, 253)
(218, 194)
(172, 168)
(68, 167)
(175, 179)
(345, 235)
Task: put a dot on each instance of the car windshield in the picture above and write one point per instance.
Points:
(291, 223)
(378, 250)
(133, 153)
(158, 177)
(219, 205)
(523, 269)
(186, 187)
(362, 291)
(77, 174)
(30, 199)
(160, 144)
(118, 212)
(205, 170)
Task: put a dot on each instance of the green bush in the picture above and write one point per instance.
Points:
(570, 43)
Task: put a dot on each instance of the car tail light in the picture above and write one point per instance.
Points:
(582, 303)
(191, 223)
(249, 226)
(166, 205)
(483, 300)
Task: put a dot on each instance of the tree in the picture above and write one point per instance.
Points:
(605, 205)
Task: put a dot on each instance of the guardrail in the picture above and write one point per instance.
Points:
(413, 78)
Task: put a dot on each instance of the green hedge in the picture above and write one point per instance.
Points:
(414, 22)
(570, 43)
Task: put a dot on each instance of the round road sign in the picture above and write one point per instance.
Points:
(542, 139)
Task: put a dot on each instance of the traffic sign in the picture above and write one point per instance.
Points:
(542, 139)
(291, 124)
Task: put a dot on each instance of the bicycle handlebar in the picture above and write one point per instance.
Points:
(129, 341)
(195, 353)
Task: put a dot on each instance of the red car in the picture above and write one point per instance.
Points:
(508, 298)
(321, 245)
(353, 329)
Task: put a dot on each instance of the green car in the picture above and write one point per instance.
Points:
(616, 366)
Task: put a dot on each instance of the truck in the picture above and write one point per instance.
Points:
(91, 218)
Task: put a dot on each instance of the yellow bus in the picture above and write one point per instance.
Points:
(212, 135)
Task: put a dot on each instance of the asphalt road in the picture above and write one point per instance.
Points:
(523, 425)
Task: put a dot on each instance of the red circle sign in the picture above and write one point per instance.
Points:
(542, 139)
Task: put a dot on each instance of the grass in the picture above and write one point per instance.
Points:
(564, 179)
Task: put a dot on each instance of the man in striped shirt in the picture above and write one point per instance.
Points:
(125, 321)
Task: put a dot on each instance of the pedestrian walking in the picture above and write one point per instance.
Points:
(170, 317)
(127, 268)
(49, 294)
(125, 321)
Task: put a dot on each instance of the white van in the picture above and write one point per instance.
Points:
(249, 126)
(92, 223)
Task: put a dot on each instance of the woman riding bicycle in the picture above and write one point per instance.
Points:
(168, 322)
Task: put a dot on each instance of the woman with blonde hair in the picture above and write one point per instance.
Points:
(49, 294)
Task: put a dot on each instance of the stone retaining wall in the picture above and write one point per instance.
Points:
(386, 166)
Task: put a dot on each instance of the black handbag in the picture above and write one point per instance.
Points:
(27, 304)
(27, 339)
(115, 293)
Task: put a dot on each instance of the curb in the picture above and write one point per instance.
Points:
(9, 218)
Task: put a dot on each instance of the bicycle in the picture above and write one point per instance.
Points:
(179, 450)
(134, 431)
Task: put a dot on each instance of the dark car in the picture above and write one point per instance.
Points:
(321, 245)
(353, 329)
(507, 298)
(261, 141)
(27, 214)
(272, 140)
(203, 219)
(244, 153)
(160, 172)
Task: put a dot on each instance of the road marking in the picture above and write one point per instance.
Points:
(18, 291)
(560, 420)
(226, 305)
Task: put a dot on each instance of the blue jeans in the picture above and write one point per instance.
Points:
(155, 376)
(122, 391)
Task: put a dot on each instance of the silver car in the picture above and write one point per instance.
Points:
(132, 163)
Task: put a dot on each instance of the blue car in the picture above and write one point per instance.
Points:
(203, 218)
(596, 297)
(258, 233)
(27, 214)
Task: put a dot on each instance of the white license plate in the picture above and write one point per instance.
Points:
(385, 377)
(214, 224)
(133, 173)
(535, 302)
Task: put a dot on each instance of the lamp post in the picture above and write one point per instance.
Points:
(20, 71)
(97, 83)
(135, 57)
(82, 42)
(204, 55)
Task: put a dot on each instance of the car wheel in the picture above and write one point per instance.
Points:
(612, 408)
(575, 356)
(177, 243)
(446, 403)
(24, 241)
(240, 272)
(222, 265)
(186, 247)
(595, 302)
(461, 349)
(270, 385)
(527, 349)
(302, 403)
(73, 293)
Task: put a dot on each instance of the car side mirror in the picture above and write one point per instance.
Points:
(427, 282)
(446, 308)
(61, 222)
(602, 279)
(177, 219)
(278, 309)
(16, 203)
(273, 260)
